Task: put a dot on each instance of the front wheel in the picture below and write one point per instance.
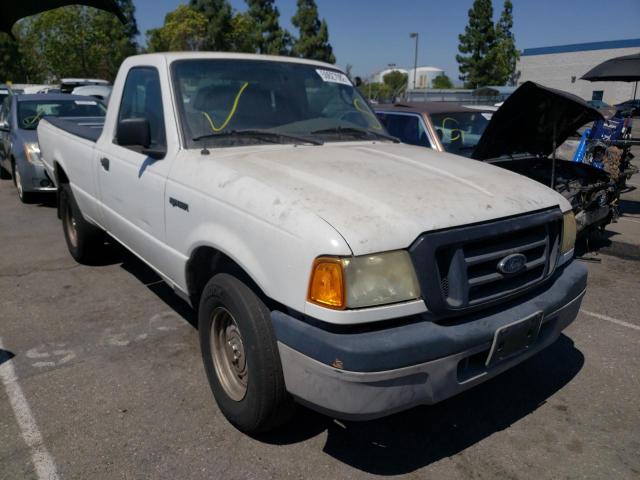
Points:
(241, 356)
(25, 197)
(84, 240)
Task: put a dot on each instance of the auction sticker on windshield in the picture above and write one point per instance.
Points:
(85, 102)
(333, 77)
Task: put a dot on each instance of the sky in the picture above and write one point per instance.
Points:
(370, 34)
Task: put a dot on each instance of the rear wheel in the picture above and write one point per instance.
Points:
(241, 356)
(84, 240)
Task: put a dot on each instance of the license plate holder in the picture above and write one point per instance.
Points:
(514, 338)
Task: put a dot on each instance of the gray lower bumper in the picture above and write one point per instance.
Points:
(35, 178)
(361, 395)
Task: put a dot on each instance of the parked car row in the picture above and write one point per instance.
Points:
(330, 264)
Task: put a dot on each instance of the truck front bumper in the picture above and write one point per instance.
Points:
(370, 374)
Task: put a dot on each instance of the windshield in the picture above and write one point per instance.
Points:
(220, 97)
(460, 132)
(31, 111)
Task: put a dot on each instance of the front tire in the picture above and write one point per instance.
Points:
(241, 356)
(25, 197)
(84, 240)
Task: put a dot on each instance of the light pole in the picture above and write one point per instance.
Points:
(415, 58)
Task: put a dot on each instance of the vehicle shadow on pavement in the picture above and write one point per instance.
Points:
(46, 200)
(407, 441)
(154, 283)
(5, 356)
(630, 207)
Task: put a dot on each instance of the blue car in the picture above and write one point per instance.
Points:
(19, 150)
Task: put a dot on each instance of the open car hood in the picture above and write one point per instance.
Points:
(525, 123)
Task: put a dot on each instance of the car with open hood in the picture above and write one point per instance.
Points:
(521, 136)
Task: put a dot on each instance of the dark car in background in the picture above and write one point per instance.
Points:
(19, 149)
(519, 136)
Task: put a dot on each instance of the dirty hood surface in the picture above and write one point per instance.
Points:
(528, 120)
(381, 196)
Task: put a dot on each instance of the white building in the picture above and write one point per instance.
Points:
(562, 66)
(423, 76)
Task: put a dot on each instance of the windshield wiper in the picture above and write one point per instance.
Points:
(357, 131)
(257, 133)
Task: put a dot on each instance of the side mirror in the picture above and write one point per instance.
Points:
(4, 126)
(358, 81)
(136, 132)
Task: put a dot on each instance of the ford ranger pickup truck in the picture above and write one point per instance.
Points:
(329, 264)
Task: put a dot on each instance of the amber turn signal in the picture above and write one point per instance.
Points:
(326, 287)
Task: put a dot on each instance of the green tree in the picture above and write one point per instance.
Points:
(11, 65)
(380, 92)
(313, 39)
(244, 36)
(477, 46)
(270, 38)
(76, 41)
(506, 54)
(396, 82)
(219, 27)
(183, 29)
(442, 81)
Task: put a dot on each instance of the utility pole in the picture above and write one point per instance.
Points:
(415, 58)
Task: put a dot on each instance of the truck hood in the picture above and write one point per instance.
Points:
(528, 120)
(381, 196)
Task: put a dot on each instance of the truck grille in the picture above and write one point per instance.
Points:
(458, 268)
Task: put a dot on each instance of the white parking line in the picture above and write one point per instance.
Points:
(42, 461)
(610, 319)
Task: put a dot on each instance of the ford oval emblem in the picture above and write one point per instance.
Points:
(511, 264)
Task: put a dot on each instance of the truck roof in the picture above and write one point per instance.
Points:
(173, 56)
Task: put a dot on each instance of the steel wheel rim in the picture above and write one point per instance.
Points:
(71, 226)
(228, 354)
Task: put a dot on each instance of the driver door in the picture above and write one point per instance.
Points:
(132, 184)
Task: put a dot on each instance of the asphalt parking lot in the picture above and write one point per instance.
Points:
(101, 377)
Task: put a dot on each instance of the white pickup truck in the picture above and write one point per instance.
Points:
(330, 265)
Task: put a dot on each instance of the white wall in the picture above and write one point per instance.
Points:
(557, 69)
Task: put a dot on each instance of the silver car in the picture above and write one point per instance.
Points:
(19, 150)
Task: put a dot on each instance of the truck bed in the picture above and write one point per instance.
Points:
(88, 128)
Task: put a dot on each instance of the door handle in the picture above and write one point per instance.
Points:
(104, 161)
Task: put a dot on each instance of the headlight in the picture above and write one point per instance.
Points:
(568, 232)
(364, 281)
(32, 152)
